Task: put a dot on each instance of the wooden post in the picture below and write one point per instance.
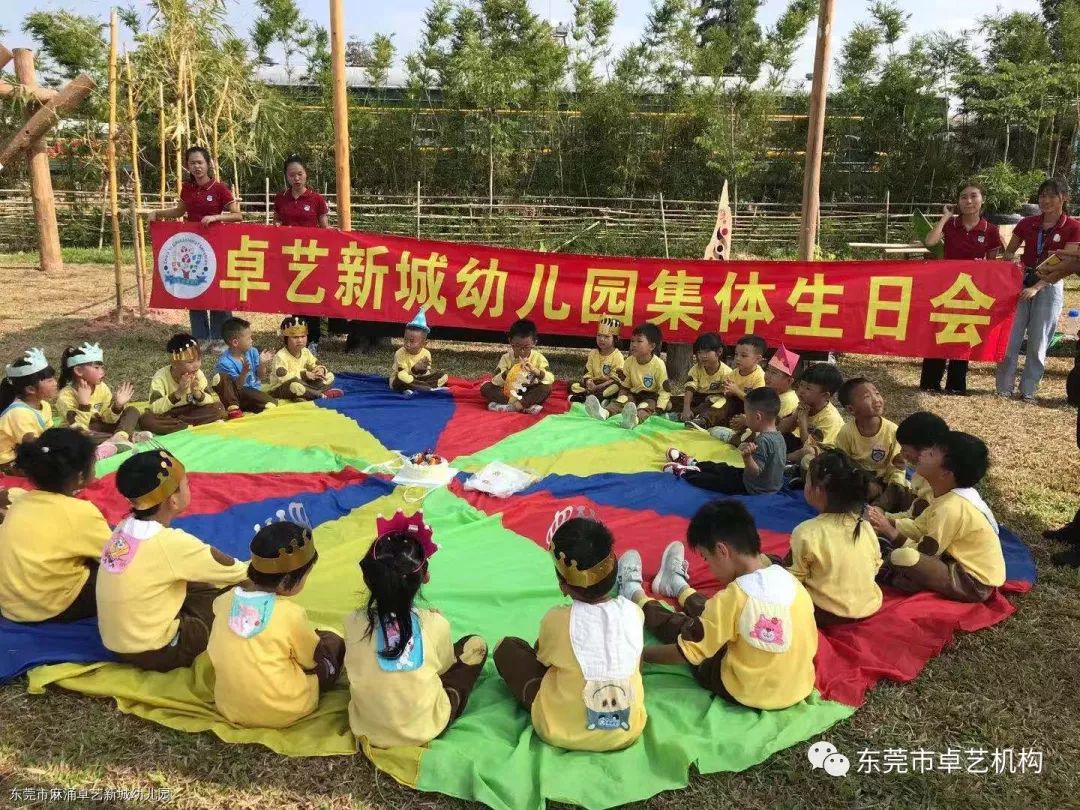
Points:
(163, 166)
(341, 115)
(114, 197)
(815, 135)
(887, 194)
(41, 189)
(41, 120)
(663, 226)
(266, 182)
(138, 234)
(417, 209)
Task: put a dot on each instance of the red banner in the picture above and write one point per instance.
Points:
(954, 309)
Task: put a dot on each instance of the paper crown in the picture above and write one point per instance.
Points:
(86, 353)
(35, 361)
(568, 569)
(294, 327)
(187, 353)
(784, 360)
(414, 526)
(609, 326)
(300, 551)
(169, 478)
(419, 321)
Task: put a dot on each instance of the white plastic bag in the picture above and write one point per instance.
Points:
(500, 480)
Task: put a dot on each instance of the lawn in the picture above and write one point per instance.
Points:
(1012, 686)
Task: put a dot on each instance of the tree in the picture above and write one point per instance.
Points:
(730, 38)
(890, 20)
(70, 44)
(281, 24)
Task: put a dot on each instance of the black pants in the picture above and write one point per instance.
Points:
(933, 369)
(718, 477)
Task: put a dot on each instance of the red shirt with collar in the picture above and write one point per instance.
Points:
(960, 243)
(1066, 230)
(303, 211)
(204, 201)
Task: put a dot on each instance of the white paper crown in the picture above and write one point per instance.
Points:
(565, 514)
(86, 353)
(295, 514)
(36, 361)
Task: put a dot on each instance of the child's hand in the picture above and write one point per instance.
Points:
(210, 219)
(748, 448)
(738, 423)
(123, 394)
(266, 357)
(187, 382)
(899, 463)
(82, 392)
(245, 368)
(880, 521)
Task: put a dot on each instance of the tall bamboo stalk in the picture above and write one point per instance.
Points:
(217, 118)
(114, 200)
(181, 124)
(138, 234)
(341, 115)
(163, 165)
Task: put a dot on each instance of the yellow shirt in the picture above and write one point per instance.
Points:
(398, 708)
(101, 400)
(509, 360)
(142, 582)
(163, 386)
(699, 381)
(824, 425)
(403, 361)
(962, 532)
(789, 403)
(603, 366)
(18, 420)
(559, 711)
(650, 377)
(836, 567)
(263, 652)
(748, 382)
(757, 677)
(874, 453)
(46, 541)
(287, 367)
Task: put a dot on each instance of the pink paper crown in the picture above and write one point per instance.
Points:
(565, 514)
(413, 526)
(785, 360)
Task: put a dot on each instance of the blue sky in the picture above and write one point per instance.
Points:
(402, 17)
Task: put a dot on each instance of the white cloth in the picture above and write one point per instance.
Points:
(607, 638)
(500, 480)
(972, 496)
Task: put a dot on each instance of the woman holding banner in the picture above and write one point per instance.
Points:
(1046, 233)
(302, 207)
(207, 201)
(967, 235)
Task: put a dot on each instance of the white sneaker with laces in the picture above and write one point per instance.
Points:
(594, 409)
(495, 406)
(140, 436)
(629, 416)
(534, 410)
(672, 578)
(629, 580)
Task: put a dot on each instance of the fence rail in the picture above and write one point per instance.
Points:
(578, 224)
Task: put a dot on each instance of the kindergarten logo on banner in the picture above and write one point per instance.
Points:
(951, 309)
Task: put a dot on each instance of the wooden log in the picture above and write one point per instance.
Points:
(341, 115)
(5, 56)
(39, 94)
(114, 197)
(42, 120)
(815, 135)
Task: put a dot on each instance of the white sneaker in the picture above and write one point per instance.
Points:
(629, 580)
(671, 579)
(121, 445)
(140, 436)
(594, 409)
(629, 416)
(534, 410)
(722, 433)
(495, 406)
(105, 450)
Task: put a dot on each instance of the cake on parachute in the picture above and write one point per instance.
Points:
(426, 467)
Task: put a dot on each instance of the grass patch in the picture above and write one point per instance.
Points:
(1011, 686)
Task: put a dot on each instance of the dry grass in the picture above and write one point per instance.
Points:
(1011, 686)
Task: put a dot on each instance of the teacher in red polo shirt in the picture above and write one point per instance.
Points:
(207, 201)
(302, 207)
(1048, 232)
(967, 235)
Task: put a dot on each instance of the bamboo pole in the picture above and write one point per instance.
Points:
(114, 197)
(181, 125)
(139, 234)
(266, 197)
(663, 225)
(417, 209)
(41, 188)
(341, 115)
(217, 118)
(163, 165)
(815, 136)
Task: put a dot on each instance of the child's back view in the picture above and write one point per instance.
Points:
(581, 682)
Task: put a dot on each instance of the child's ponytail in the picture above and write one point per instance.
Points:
(7, 393)
(66, 374)
(846, 485)
(57, 460)
(394, 569)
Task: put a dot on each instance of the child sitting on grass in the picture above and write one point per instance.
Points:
(86, 403)
(522, 380)
(816, 422)
(412, 368)
(50, 541)
(156, 584)
(297, 376)
(270, 664)
(763, 454)
(602, 365)
(918, 432)
(407, 682)
(180, 396)
(581, 681)
(869, 440)
(952, 548)
(239, 370)
(836, 555)
(25, 413)
(754, 641)
(644, 388)
(745, 377)
(704, 386)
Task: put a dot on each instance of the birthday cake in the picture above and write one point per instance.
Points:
(426, 467)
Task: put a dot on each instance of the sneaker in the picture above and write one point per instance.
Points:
(1070, 558)
(594, 409)
(629, 416)
(724, 434)
(673, 576)
(140, 436)
(1069, 533)
(629, 579)
(105, 450)
(1003, 395)
(697, 424)
(677, 456)
(680, 470)
(955, 392)
(495, 406)
(1028, 399)
(333, 393)
(235, 413)
(534, 410)
(121, 445)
